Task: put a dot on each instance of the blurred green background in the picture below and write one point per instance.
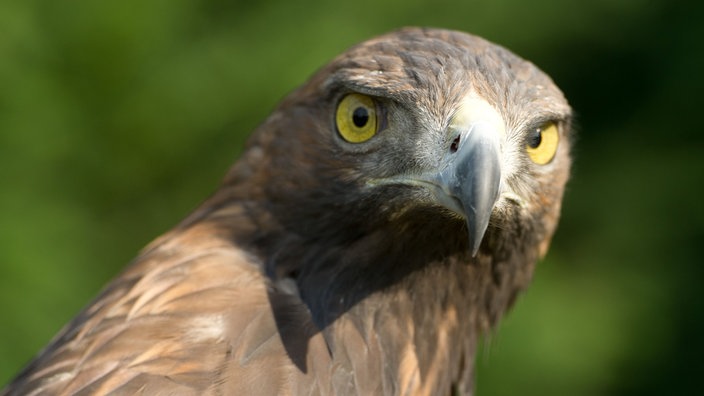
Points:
(117, 118)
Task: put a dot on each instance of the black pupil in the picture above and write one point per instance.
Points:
(535, 139)
(360, 117)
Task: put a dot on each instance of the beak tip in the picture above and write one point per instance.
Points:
(476, 231)
(475, 248)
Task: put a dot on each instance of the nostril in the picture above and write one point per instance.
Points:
(455, 145)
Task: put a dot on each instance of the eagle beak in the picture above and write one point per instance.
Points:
(470, 177)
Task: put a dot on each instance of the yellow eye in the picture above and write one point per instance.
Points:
(356, 118)
(542, 143)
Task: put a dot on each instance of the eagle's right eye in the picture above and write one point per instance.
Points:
(356, 118)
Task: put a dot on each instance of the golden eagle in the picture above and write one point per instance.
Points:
(379, 220)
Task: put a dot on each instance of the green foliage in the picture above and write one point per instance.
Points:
(117, 118)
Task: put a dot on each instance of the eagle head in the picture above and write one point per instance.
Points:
(410, 150)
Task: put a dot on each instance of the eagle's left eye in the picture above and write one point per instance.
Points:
(542, 143)
(356, 118)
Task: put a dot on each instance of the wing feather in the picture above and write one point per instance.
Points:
(180, 322)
